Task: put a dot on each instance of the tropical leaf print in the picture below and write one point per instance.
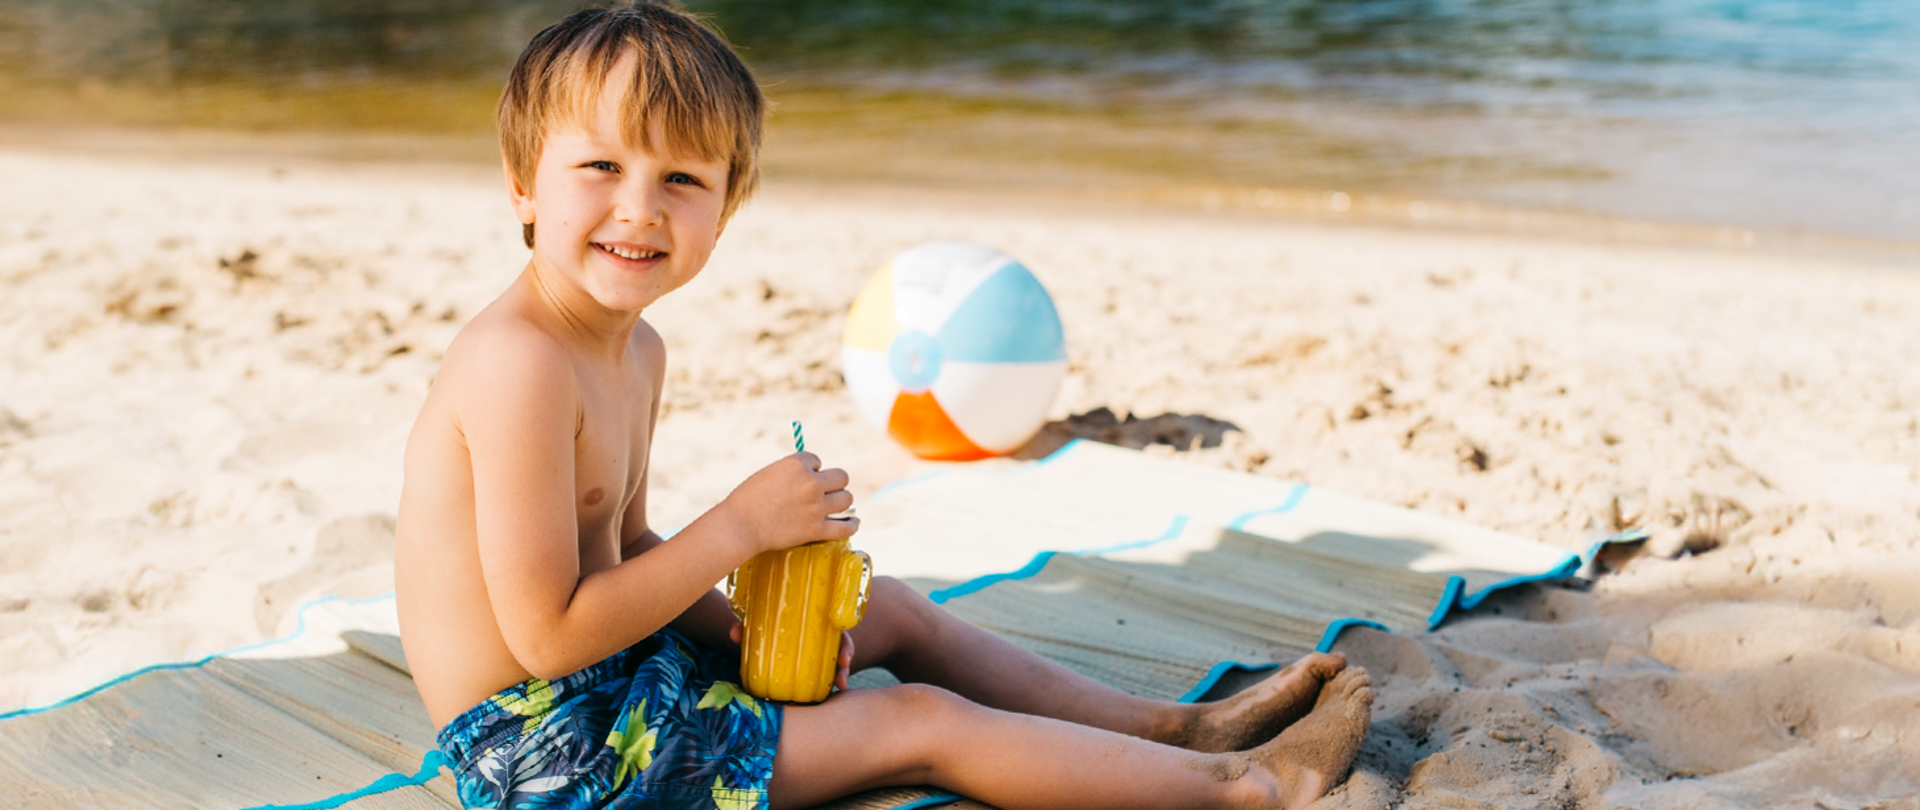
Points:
(726, 798)
(722, 693)
(653, 726)
(534, 705)
(632, 742)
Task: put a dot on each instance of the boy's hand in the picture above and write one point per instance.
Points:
(842, 669)
(787, 504)
(845, 665)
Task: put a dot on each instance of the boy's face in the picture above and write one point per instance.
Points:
(621, 223)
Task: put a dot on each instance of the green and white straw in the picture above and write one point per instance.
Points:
(799, 441)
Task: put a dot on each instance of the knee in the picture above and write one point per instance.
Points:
(896, 596)
(930, 715)
(926, 700)
(901, 610)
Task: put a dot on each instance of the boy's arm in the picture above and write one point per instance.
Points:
(709, 621)
(518, 409)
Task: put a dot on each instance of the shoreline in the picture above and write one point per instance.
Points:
(809, 163)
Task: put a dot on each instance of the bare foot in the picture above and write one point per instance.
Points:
(1258, 713)
(1313, 755)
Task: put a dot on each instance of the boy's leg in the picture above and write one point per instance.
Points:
(920, 642)
(909, 735)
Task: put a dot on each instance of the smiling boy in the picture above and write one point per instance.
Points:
(571, 658)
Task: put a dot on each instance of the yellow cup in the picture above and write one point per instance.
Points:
(794, 603)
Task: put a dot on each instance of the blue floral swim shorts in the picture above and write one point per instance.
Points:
(657, 725)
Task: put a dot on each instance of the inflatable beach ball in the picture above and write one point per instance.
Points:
(955, 350)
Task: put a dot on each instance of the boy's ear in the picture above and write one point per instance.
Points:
(521, 196)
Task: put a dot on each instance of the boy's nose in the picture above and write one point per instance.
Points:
(642, 204)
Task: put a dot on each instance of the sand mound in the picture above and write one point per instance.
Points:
(1560, 707)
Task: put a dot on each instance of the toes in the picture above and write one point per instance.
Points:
(1318, 666)
(1324, 665)
(1362, 705)
(1344, 685)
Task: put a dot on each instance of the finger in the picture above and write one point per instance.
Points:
(839, 501)
(835, 479)
(841, 671)
(807, 460)
(736, 632)
(837, 528)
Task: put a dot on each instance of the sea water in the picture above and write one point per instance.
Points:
(1772, 114)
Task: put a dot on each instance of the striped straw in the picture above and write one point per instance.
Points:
(799, 441)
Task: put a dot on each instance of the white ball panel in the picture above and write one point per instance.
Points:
(931, 280)
(870, 381)
(999, 406)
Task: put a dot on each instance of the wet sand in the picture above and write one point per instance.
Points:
(210, 364)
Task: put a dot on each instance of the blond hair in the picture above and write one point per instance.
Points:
(686, 77)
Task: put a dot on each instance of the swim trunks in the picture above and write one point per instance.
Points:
(660, 724)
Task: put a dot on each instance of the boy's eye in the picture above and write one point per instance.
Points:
(683, 177)
(605, 166)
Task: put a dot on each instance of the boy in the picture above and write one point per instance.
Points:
(572, 658)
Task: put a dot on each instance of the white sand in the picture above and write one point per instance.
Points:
(189, 449)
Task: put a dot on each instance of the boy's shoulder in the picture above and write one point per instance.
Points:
(503, 359)
(503, 348)
(649, 349)
(507, 378)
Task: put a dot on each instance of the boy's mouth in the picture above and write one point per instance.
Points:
(632, 254)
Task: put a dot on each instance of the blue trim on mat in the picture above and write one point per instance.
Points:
(430, 766)
(1175, 528)
(888, 488)
(1567, 567)
(929, 801)
(1057, 454)
(978, 584)
(300, 626)
(1455, 584)
(1334, 628)
(940, 596)
(1214, 675)
(1293, 500)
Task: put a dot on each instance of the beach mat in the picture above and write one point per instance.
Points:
(320, 719)
(1093, 498)
(1159, 577)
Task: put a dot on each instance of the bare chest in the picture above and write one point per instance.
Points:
(610, 465)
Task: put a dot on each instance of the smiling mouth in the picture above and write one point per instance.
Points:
(631, 254)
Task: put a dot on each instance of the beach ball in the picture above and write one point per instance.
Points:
(955, 350)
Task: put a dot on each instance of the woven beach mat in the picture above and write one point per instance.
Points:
(1093, 498)
(1233, 603)
(315, 720)
(1162, 578)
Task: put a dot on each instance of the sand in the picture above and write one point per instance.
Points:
(208, 367)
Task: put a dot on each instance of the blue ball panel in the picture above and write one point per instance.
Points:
(1009, 318)
(915, 359)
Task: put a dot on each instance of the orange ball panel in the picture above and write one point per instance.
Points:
(919, 425)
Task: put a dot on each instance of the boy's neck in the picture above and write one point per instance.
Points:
(601, 330)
